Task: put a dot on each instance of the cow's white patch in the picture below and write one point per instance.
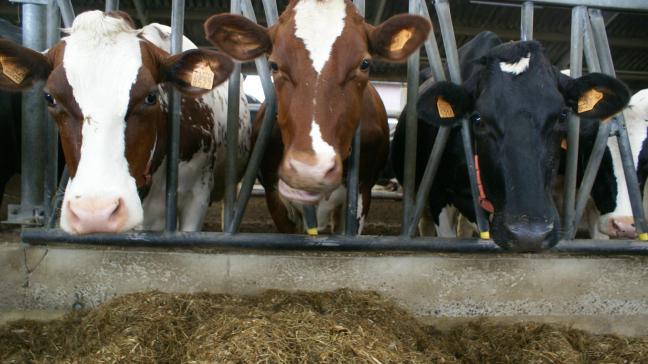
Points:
(324, 151)
(635, 115)
(319, 23)
(518, 67)
(102, 58)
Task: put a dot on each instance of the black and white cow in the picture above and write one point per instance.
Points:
(517, 103)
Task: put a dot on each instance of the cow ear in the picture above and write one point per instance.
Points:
(595, 96)
(237, 36)
(197, 71)
(443, 104)
(21, 67)
(398, 37)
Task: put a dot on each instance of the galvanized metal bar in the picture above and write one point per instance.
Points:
(603, 4)
(140, 10)
(310, 217)
(33, 125)
(452, 57)
(51, 131)
(607, 66)
(589, 46)
(58, 199)
(576, 69)
(351, 225)
(269, 118)
(67, 12)
(320, 243)
(380, 10)
(175, 113)
(409, 178)
(112, 5)
(233, 108)
(432, 48)
(526, 22)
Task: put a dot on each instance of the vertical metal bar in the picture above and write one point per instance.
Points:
(67, 12)
(452, 56)
(58, 198)
(33, 121)
(526, 23)
(51, 131)
(409, 175)
(173, 153)
(233, 105)
(112, 5)
(576, 69)
(607, 66)
(380, 9)
(268, 122)
(141, 14)
(353, 168)
(589, 46)
(432, 49)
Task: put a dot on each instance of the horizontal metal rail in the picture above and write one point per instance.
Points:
(319, 243)
(601, 4)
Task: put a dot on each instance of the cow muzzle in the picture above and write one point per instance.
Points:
(530, 236)
(96, 215)
(308, 178)
(621, 227)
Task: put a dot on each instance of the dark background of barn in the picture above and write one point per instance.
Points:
(628, 32)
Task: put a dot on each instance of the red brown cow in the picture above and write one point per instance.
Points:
(320, 55)
(104, 87)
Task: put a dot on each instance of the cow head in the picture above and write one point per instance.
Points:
(102, 88)
(518, 103)
(320, 55)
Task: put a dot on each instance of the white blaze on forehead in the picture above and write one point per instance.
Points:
(323, 149)
(101, 61)
(518, 67)
(319, 23)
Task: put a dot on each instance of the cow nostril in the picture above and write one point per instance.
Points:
(331, 171)
(117, 211)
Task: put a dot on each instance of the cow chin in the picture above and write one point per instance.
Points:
(527, 236)
(298, 195)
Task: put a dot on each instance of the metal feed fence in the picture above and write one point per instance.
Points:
(588, 37)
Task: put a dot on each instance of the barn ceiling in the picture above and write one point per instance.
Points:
(627, 32)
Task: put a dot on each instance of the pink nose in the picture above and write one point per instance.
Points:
(621, 227)
(310, 172)
(96, 215)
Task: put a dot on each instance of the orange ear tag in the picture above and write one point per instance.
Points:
(588, 100)
(202, 77)
(444, 108)
(399, 40)
(13, 72)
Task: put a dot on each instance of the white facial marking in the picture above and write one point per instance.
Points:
(102, 58)
(518, 67)
(319, 23)
(635, 116)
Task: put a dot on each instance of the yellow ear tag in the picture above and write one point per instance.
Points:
(444, 108)
(202, 77)
(588, 100)
(399, 40)
(13, 72)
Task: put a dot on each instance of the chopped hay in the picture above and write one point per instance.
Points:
(278, 327)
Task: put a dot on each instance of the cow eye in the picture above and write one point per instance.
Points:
(365, 64)
(563, 115)
(151, 98)
(49, 99)
(476, 119)
(274, 66)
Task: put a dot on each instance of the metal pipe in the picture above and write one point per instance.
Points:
(233, 109)
(452, 56)
(175, 113)
(380, 9)
(409, 178)
(607, 66)
(605, 4)
(269, 119)
(141, 14)
(112, 5)
(526, 22)
(432, 48)
(67, 12)
(51, 131)
(58, 199)
(33, 122)
(589, 46)
(576, 69)
(319, 243)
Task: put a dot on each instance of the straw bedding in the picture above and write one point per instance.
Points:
(277, 327)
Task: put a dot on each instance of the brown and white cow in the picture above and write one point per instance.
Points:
(320, 55)
(106, 87)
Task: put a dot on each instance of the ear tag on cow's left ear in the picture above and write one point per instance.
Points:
(399, 40)
(444, 108)
(588, 100)
(563, 143)
(202, 77)
(13, 72)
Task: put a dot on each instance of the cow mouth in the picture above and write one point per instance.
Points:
(297, 195)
